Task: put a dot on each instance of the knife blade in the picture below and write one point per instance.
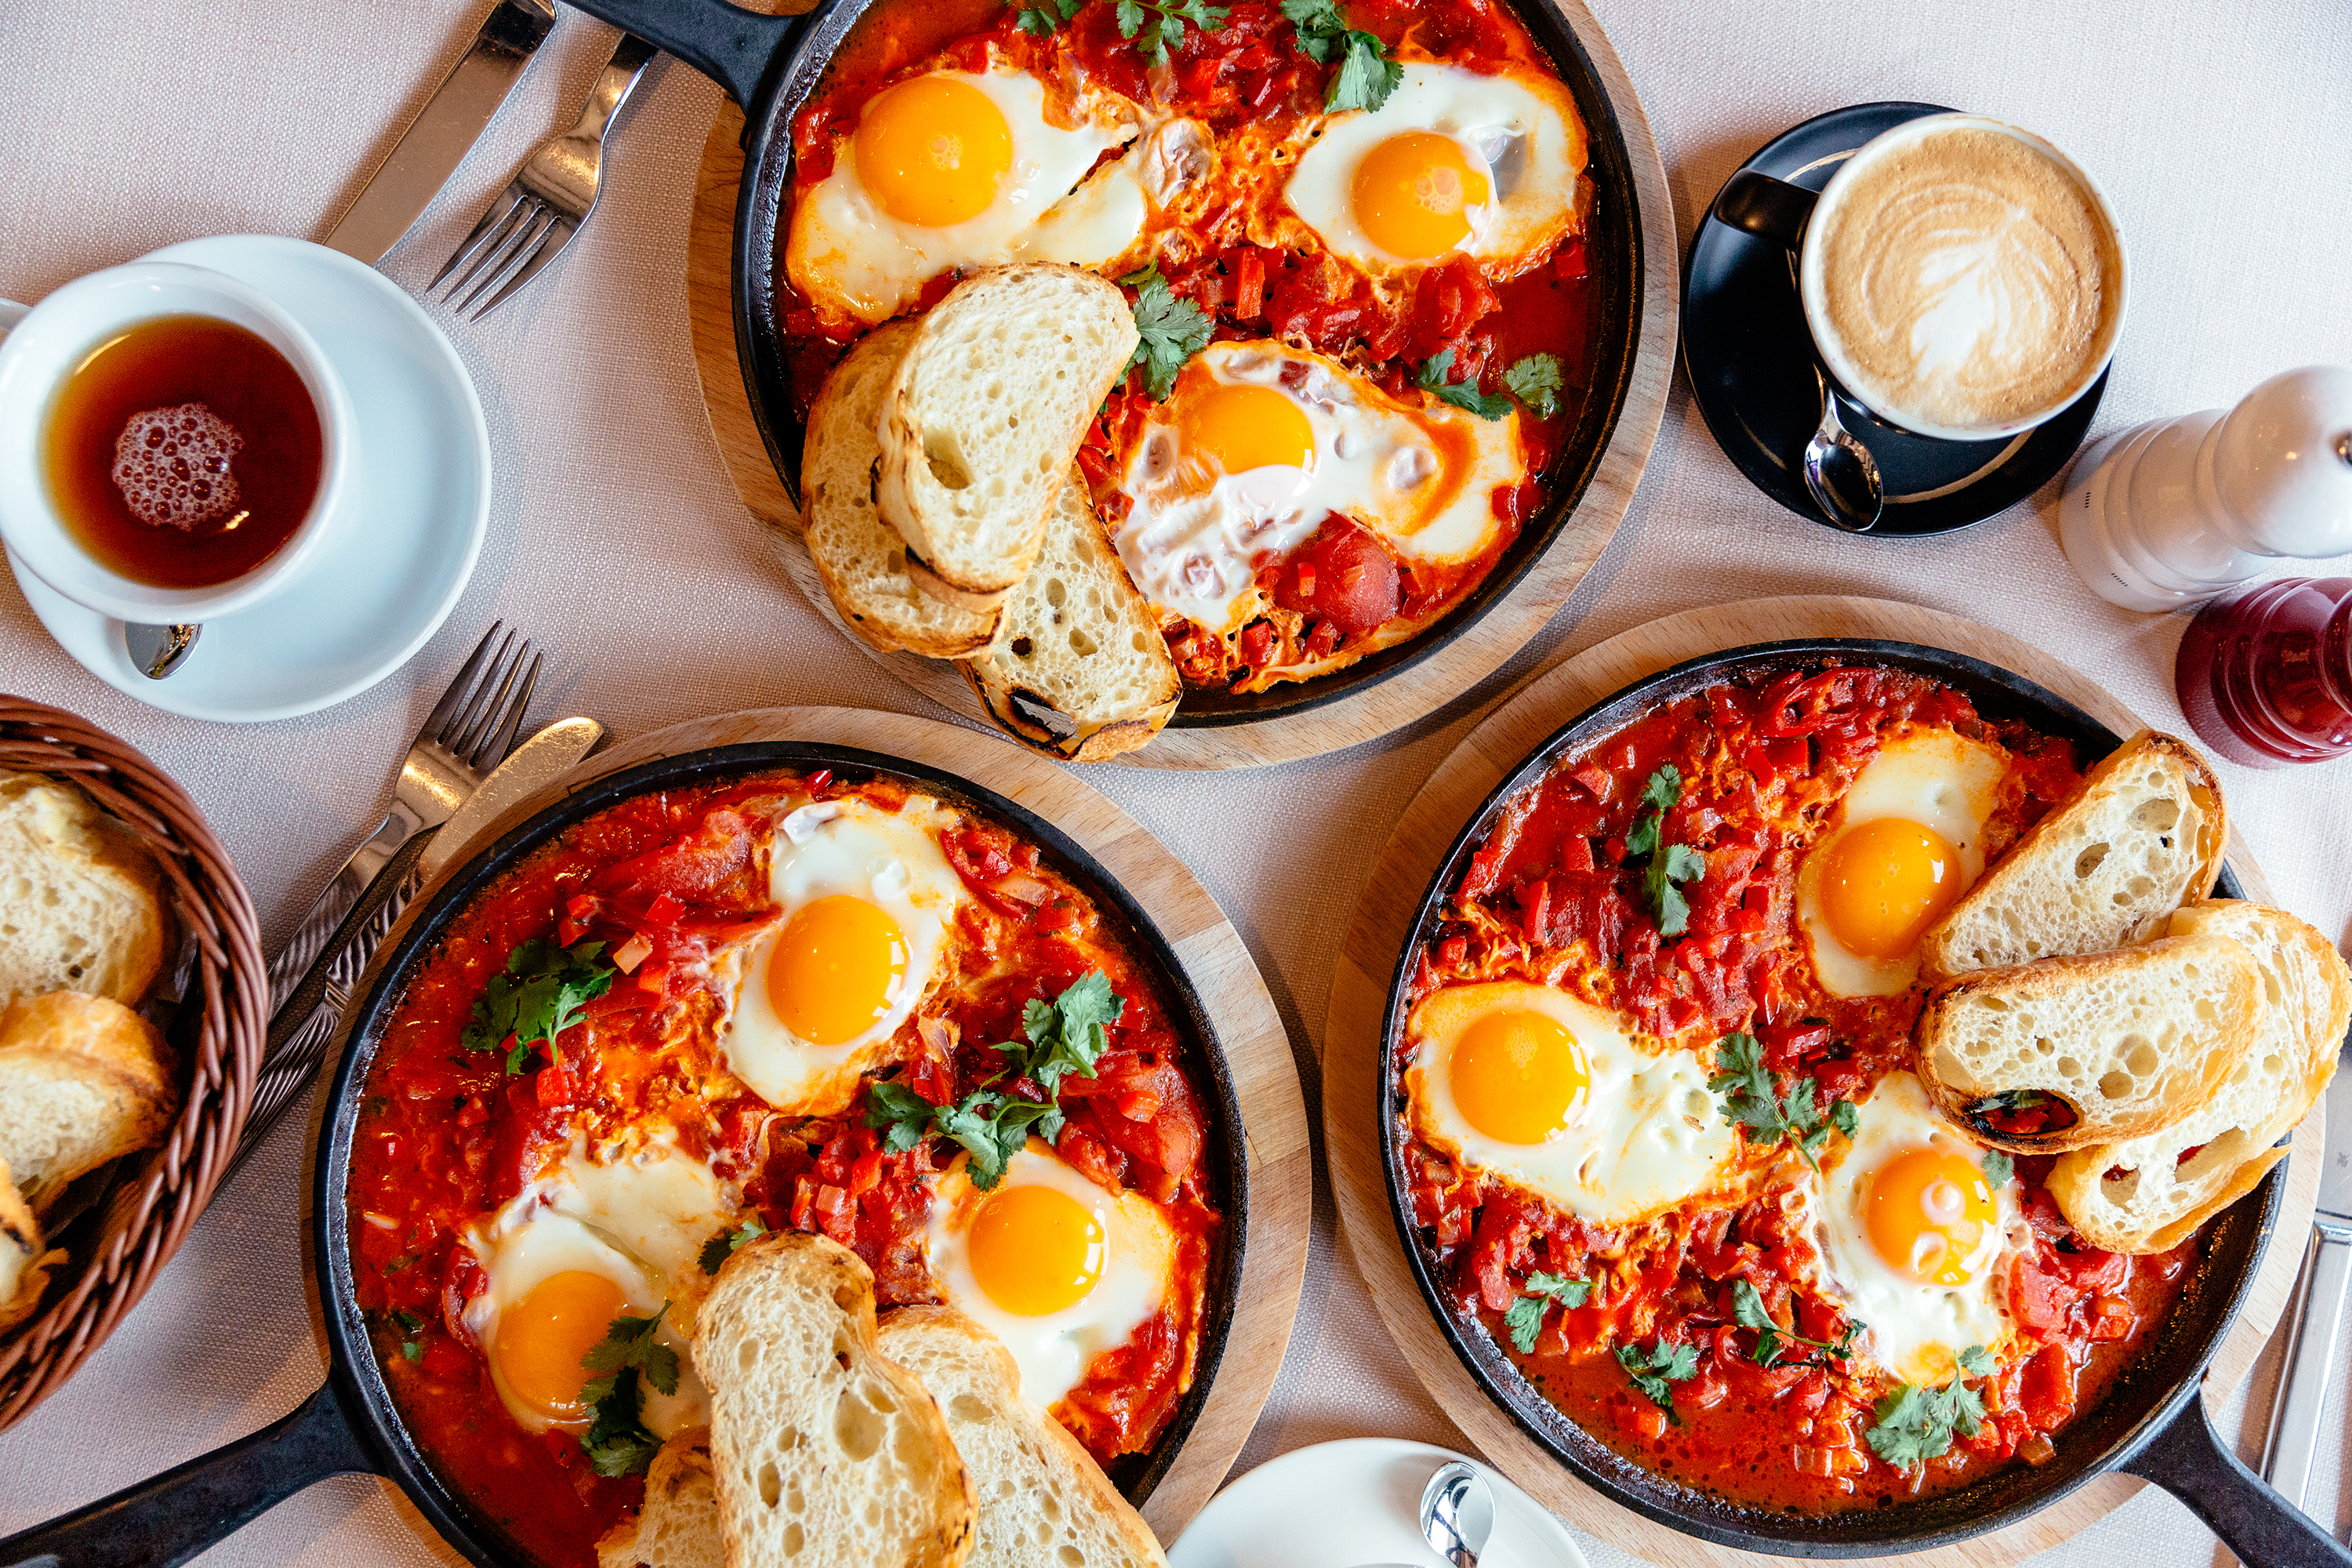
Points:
(444, 131)
(301, 1029)
(2298, 1418)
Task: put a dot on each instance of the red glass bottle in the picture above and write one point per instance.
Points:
(2265, 674)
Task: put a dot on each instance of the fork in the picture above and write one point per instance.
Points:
(550, 197)
(468, 733)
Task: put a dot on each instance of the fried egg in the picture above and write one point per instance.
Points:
(1905, 841)
(1054, 1266)
(1913, 1234)
(863, 896)
(1545, 1091)
(951, 169)
(1455, 161)
(588, 1241)
(1258, 442)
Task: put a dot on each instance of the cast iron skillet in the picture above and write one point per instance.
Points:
(771, 65)
(2152, 1423)
(351, 1422)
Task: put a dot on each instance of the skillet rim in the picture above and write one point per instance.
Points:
(1706, 1516)
(375, 1414)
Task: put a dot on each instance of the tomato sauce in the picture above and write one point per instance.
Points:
(1553, 895)
(446, 1135)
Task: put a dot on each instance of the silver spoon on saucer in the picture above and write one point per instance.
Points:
(157, 652)
(1458, 1513)
(1840, 472)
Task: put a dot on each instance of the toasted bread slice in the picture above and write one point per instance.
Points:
(861, 561)
(982, 418)
(1043, 1499)
(2149, 1193)
(81, 908)
(824, 1451)
(2134, 1041)
(82, 1080)
(676, 1525)
(24, 1264)
(1078, 668)
(2142, 837)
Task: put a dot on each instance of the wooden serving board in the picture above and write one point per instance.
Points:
(1359, 988)
(1256, 1048)
(1408, 695)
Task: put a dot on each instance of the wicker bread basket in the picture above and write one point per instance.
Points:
(115, 1250)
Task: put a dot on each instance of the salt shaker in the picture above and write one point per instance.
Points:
(2174, 511)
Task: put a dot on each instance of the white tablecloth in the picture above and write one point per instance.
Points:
(2223, 135)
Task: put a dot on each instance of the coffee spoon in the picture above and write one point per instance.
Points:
(159, 650)
(1458, 1513)
(1839, 472)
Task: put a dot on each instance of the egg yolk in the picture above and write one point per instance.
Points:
(1519, 1076)
(837, 967)
(1887, 881)
(933, 151)
(542, 1338)
(1244, 428)
(1412, 192)
(1035, 1249)
(1926, 1215)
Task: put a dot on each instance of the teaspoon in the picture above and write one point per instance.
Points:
(157, 652)
(1840, 472)
(1458, 1513)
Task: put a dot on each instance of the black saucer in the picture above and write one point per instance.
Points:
(1750, 365)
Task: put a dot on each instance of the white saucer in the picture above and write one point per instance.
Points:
(1346, 1504)
(421, 494)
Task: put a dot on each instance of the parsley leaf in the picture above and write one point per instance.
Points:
(1437, 376)
(1977, 1361)
(1366, 75)
(1041, 20)
(726, 1244)
(1678, 863)
(541, 992)
(1751, 1102)
(1916, 1424)
(1172, 331)
(1772, 1340)
(1134, 15)
(1525, 1316)
(1998, 1167)
(1536, 382)
(1655, 1370)
(616, 1442)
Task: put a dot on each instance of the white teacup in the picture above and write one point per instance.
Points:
(42, 347)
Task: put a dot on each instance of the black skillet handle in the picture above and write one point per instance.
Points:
(1766, 208)
(2188, 1460)
(168, 1519)
(732, 47)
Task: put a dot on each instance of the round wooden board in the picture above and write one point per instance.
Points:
(1359, 988)
(1404, 696)
(1257, 1048)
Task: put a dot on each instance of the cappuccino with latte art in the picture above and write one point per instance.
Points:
(1961, 280)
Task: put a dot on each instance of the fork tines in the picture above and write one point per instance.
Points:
(477, 719)
(507, 247)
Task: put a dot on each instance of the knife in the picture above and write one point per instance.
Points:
(2296, 1420)
(444, 132)
(302, 1027)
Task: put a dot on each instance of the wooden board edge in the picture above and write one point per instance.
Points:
(1256, 1045)
(1358, 999)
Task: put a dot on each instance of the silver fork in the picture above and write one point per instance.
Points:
(468, 732)
(547, 200)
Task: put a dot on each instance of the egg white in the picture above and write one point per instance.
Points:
(1053, 1349)
(1649, 1135)
(1936, 778)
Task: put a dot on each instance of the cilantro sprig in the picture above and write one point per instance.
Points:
(1668, 864)
(1065, 1036)
(1772, 1340)
(1166, 24)
(1170, 331)
(1536, 381)
(1525, 1316)
(1366, 75)
(1657, 1369)
(1046, 17)
(412, 1332)
(1751, 1101)
(1914, 1425)
(726, 1244)
(1998, 1168)
(1437, 377)
(541, 992)
(617, 1442)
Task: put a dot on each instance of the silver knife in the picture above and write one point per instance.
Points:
(2297, 1419)
(444, 132)
(308, 1018)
